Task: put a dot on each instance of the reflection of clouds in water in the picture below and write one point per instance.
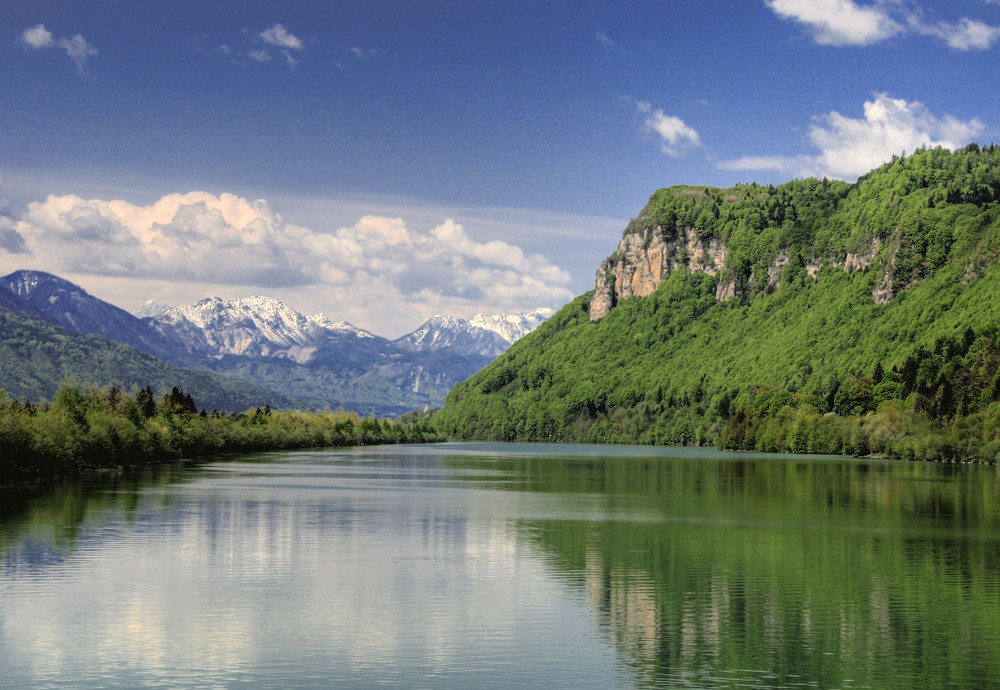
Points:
(235, 577)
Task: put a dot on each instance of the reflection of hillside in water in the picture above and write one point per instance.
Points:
(40, 526)
(709, 570)
(826, 572)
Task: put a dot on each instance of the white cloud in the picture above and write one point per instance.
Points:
(259, 55)
(850, 147)
(678, 137)
(37, 37)
(966, 34)
(279, 36)
(78, 50)
(289, 59)
(373, 271)
(603, 39)
(838, 22)
(845, 22)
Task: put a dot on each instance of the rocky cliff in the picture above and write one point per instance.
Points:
(650, 249)
(639, 264)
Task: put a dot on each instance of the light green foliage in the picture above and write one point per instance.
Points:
(792, 368)
(91, 428)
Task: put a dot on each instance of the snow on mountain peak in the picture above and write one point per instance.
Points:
(483, 334)
(512, 327)
(150, 308)
(251, 326)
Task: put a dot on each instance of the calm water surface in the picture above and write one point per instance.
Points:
(500, 565)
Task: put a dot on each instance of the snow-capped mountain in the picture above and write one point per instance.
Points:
(251, 327)
(260, 340)
(151, 308)
(446, 332)
(512, 327)
(487, 335)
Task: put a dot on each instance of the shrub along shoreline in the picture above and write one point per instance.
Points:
(87, 429)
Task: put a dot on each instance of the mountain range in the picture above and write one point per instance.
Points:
(308, 361)
(811, 316)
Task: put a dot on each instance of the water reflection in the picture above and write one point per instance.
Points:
(483, 565)
(784, 572)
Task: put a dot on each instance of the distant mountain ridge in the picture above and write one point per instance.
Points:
(261, 340)
(249, 327)
(483, 334)
(314, 358)
(71, 306)
(37, 354)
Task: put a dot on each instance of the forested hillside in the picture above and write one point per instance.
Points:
(36, 356)
(814, 316)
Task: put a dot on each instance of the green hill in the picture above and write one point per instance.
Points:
(815, 316)
(36, 356)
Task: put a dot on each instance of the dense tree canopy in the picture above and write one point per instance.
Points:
(108, 427)
(812, 362)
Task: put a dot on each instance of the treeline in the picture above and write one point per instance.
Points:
(107, 427)
(811, 362)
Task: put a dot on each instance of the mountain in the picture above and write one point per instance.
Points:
(251, 327)
(262, 341)
(12, 303)
(815, 316)
(149, 308)
(512, 327)
(448, 333)
(487, 335)
(327, 363)
(71, 306)
(36, 355)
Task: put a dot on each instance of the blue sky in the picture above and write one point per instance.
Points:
(382, 161)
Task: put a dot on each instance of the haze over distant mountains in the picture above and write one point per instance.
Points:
(311, 359)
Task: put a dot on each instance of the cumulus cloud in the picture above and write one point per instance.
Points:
(850, 147)
(845, 22)
(838, 22)
(678, 138)
(77, 48)
(279, 36)
(213, 240)
(37, 37)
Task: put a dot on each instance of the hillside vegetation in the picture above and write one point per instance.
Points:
(844, 318)
(36, 356)
(108, 427)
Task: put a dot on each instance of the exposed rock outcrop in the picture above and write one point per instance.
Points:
(641, 262)
(639, 265)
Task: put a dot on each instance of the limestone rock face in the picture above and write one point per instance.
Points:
(641, 262)
(639, 265)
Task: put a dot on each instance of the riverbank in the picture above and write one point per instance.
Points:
(91, 429)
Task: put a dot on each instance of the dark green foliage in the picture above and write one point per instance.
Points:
(813, 365)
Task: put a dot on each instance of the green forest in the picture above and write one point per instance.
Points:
(93, 428)
(811, 362)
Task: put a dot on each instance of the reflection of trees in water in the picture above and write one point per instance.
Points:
(883, 575)
(41, 525)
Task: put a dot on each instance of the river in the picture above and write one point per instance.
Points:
(481, 565)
